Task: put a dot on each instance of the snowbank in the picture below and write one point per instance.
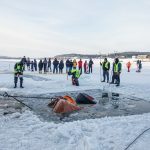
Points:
(26, 131)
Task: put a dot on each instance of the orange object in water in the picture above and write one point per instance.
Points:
(64, 106)
(70, 99)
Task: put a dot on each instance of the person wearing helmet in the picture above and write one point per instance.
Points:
(18, 73)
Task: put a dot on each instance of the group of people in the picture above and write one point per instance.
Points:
(73, 68)
(30, 64)
(116, 71)
(46, 65)
(138, 63)
(88, 66)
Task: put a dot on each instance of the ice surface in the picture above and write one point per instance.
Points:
(27, 131)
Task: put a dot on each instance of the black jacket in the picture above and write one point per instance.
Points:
(90, 63)
(49, 63)
(55, 63)
(40, 65)
(67, 63)
(61, 65)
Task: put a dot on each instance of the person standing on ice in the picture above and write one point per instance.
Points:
(128, 65)
(140, 66)
(55, 65)
(117, 67)
(86, 67)
(61, 66)
(70, 65)
(32, 66)
(24, 61)
(74, 63)
(18, 73)
(80, 65)
(49, 65)
(91, 66)
(67, 65)
(28, 63)
(35, 65)
(106, 67)
(45, 65)
(40, 65)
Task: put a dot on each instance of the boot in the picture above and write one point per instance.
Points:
(21, 85)
(21, 81)
(15, 85)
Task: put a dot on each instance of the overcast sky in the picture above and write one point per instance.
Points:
(51, 27)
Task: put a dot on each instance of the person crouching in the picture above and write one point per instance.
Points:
(75, 76)
(18, 73)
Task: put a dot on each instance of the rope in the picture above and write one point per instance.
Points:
(21, 96)
(136, 138)
(7, 95)
(15, 98)
(32, 97)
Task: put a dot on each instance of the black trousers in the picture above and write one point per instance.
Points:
(90, 69)
(55, 69)
(117, 78)
(16, 79)
(60, 70)
(45, 68)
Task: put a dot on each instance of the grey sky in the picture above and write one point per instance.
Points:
(50, 27)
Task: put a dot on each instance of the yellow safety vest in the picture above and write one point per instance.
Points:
(116, 67)
(106, 64)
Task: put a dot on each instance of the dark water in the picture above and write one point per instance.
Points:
(108, 104)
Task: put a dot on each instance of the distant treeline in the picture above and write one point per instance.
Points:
(111, 55)
(87, 56)
(7, 57)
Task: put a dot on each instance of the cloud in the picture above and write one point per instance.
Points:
(39, 28)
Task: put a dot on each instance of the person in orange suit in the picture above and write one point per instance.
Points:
(128, 66)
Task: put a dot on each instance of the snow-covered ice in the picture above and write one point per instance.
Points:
(26, 131)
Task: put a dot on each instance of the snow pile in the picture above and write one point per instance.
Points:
(26, 131)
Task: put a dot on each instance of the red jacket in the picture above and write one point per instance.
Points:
(128, 64)
(80, 63)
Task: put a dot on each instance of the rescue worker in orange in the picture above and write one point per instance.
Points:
(128, 66)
